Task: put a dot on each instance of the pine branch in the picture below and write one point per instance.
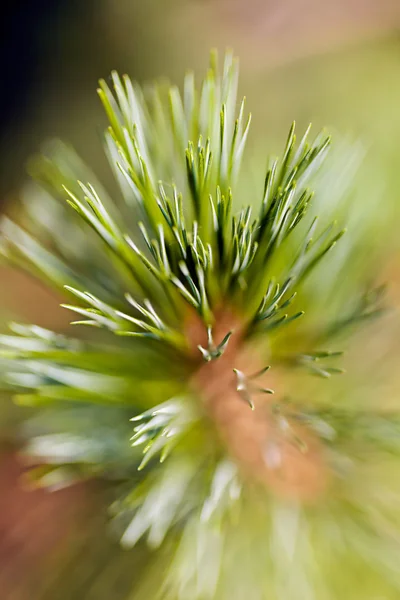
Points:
(191, 294)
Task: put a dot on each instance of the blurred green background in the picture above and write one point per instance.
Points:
(336, 64)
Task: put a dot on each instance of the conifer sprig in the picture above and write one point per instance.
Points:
(183, 278)
(195, 254)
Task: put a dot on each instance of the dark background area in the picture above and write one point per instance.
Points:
(29, 36)
(28, 30)
(40, 42)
